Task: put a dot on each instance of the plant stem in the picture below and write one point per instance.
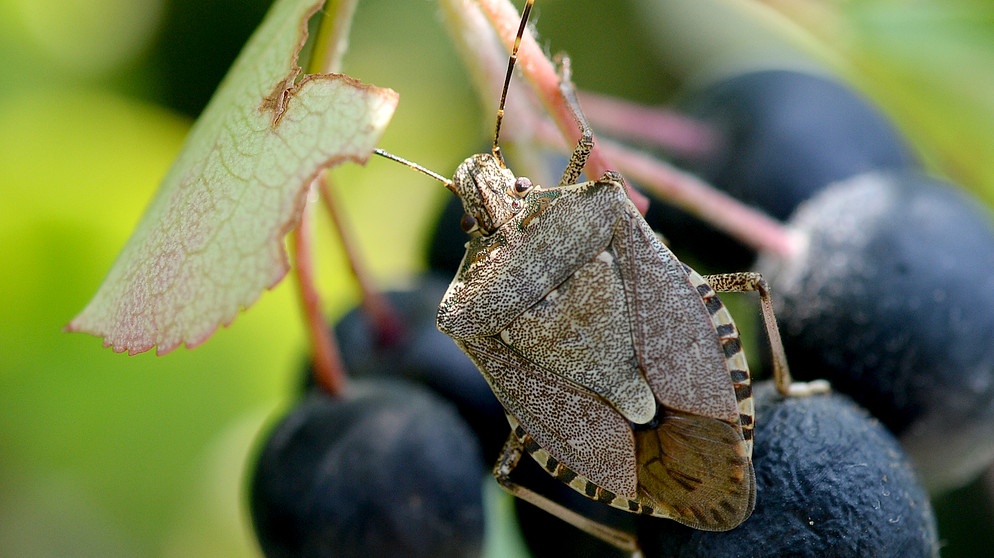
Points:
(467, 22)
(332, 38)
(659, 126)
(388, 326)
(750, 226)
(329, 371)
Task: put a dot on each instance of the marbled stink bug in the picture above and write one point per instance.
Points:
(620, 370)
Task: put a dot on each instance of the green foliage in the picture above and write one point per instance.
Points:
(212, 239)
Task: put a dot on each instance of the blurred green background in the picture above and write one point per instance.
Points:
(107, 455)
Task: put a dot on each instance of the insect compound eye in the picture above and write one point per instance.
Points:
(522, 186)
(468, 223)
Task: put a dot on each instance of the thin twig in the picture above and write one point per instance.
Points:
(658, 126)
(467, 22)
(333, 36)
(485, 59)
(387, 325)
(329, 371)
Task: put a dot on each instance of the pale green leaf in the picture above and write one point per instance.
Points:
(212, 239)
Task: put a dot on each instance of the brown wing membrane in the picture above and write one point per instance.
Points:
(575, 426)
(698, 466)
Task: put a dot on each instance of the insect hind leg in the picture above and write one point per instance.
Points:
(586, 143)
(751, 281)
(509, 457)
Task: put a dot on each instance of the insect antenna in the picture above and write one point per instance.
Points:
(500, 111)
(507, 80)
(411, 164)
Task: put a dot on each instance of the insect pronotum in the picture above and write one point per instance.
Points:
(620, 370)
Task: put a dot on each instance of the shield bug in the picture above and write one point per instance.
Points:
(620, 370)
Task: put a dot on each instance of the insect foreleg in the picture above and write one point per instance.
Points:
(586, 143)
(751, 281)
(508, 460)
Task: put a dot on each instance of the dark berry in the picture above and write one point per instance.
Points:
(831, 481)
(892, 300)
(388, 470)
(782, 136)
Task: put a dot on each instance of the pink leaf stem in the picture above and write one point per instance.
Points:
(329, 371)
(658, 126)
(387, 324)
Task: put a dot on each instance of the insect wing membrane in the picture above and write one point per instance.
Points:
(697, 471)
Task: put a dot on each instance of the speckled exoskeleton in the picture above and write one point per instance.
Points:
(620, 370)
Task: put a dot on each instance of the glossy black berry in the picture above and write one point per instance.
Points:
(892, 300)
(781, 136)
(830, 481)
(388, 470)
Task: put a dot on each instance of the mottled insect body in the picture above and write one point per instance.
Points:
(620, 371)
